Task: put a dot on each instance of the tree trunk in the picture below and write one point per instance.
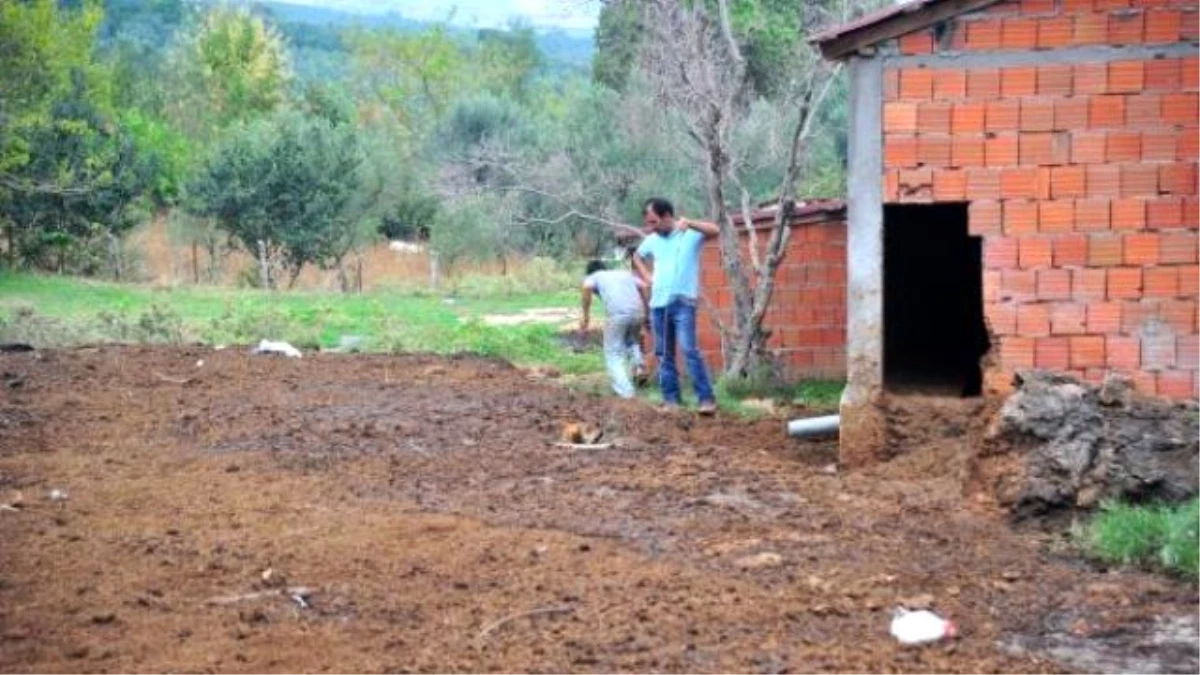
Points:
(294, 275)
(342, 279)
(433, 270)
(195, 262)
(264, 266)
(12, 245)
(114, 252)
(743, 339)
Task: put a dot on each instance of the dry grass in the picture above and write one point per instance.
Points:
(167, 262)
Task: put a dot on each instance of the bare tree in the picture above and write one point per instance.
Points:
(695, 63)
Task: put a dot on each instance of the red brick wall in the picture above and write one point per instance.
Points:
(1082, 179)
(807, 315)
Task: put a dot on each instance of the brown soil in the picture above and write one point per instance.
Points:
(424, 503)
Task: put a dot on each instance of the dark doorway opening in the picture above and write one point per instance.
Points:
(934, 332)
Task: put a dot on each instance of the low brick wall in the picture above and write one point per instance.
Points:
(807, 316)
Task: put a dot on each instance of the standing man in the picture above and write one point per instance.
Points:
(623, 295)
(673, 246)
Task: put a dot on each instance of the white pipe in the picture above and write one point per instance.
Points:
(814, 426)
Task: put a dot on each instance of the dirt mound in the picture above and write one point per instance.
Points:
(1075, 444)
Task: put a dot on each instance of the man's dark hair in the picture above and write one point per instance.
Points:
(660, 206)
(594, 266)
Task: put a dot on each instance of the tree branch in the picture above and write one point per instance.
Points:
(727, 30)
(28, 187)
(619, 227)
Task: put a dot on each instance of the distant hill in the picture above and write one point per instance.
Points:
(315, 32)
(563, 49)
(334, 17)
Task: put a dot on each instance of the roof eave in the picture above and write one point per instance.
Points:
(804, 212)
(843, 41)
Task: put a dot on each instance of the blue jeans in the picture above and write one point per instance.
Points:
(677, 323)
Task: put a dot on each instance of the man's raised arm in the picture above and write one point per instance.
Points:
(709, 230)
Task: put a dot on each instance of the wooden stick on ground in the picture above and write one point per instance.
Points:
(562, 609)
(300, 591)
(172, 380)
(584, 446)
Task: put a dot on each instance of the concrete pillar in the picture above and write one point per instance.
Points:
(863, 422)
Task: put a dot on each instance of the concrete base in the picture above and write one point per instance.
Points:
(863, 434)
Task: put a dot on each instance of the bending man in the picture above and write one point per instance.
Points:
(623, 295)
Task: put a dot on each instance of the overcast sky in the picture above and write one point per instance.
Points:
(579, 14)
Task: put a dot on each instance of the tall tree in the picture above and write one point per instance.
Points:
(414, 77)
(618, 40)
(699, 69)
(230, 66)
(43, 49)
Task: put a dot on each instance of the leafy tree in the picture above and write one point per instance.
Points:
(42, 48)
(229, 67)
(78, 180)
(132, 40)
(619, 34)
(284, 187)
(484, 118)
(509, 61)
(68, 172)
(413, 76)
(328, 102)
(167, 154)
(476, 227)
(411, 217)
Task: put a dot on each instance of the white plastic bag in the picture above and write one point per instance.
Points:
(921, 627)
(269, 347)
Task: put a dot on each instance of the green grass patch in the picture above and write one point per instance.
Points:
(1160, 536)
(820, 394)
(61, 311)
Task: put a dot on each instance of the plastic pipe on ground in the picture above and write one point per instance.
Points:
(813, 426)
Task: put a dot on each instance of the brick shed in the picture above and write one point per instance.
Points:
(807, 315)
(1022, 193)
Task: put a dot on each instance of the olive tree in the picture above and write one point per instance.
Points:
(285, 188)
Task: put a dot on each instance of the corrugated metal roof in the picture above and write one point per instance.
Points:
(808, 209)
(890, 22)
(871, 18)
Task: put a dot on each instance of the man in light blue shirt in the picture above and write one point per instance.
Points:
(673, 248)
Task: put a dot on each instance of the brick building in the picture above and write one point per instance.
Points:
(1022, 194)
(807, 315)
